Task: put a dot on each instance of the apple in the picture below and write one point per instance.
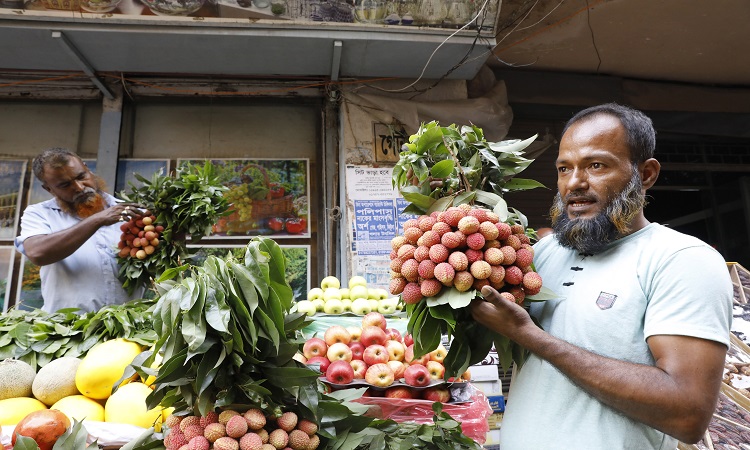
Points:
(375, 354)
(380, 294)
(416, 375)
(321, 361)
(409, 356)
(358, 350)
(437, 394)
(358, 291)
(438, 354)
(360, 368)
(398, 368)
(357, 280)
(339, 350)
(361, 306)
(372, 293)
(372, 336)
(314, 347)
(394, 335)
(379, 375)
(336, 333)
(319, 304)
(306, 307)
(314, 293)
(466, 376)
(436, 369)
(408, 339)
(331, 293)
(355, 332)
(399, 392)
(346, 304)
(374, 304)
(344, 293)
(333, 306)
(340, 372)
(330, 282)
(375, 319)
(386, 306)
(395, 349)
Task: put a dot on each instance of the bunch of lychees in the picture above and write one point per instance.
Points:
(232, 430)
(463, 247)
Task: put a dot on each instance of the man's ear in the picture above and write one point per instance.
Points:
(649, 172)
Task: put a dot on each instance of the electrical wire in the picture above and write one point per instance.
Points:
(593, 39)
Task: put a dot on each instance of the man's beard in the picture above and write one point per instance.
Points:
(88, 202)
(591, 236)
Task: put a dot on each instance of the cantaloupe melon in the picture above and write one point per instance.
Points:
(16, 378)
(56, 380)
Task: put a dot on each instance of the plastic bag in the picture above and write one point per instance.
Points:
(472, 415)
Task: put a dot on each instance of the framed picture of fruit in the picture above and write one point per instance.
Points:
(7, 257)
(29, 291)
(267, 197)
(297, 262)
(12, 174)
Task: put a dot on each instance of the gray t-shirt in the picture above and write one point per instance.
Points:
(655, 281)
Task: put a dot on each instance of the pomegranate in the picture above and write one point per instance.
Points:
(44, 427)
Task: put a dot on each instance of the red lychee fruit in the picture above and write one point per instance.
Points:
(175, 439)
(287, 421)
(503, 231)
(412, 235)
(308, 426)
(410, 269)
(412, 293)
(518, 294)
(395, 264)
(263, 435)
(479, 213)
(406, 251)
(497, 275)
(199, 443)
(226, 443)
(426, 269)
(463, 281)
(458, 260)
(475, 241)
(468, 225)
(444, 273)
(438, 253)
(473, 255)
(479, 284)
(494, 256)
(421, 253)
(452, 215)
(189, 421)
(236, 427)
(465, 207)
(214, 431)
(192, 431)
(480, 270)
(314, 442)
(411, 223)
(255, 419)
(173, 421)
(278, 438)
(513, 241)
(524, 258)
(250, 441)
(425, 223)
(397, 242)
(488, 230)
(492, 217)
(516, 228)
(494, 243)
(509, 255)
(298, 440)
(450, 240)
(441, 228)
(513, 275)
(507, 296)
(393, 255)
(532, 283)
(397, 285)
(210, 417)
(430, 288)
(524, 239)
(429, 238)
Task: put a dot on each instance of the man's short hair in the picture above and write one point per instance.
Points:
(641, 136)
(52, 157)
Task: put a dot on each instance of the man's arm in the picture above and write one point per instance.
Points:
(50, 248)
(676, 396)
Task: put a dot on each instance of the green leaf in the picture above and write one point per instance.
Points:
(544, 294)
(25, 443)
(458, 300)
(521, 184)
(466, 197)
(512, 145)
(414, 195)
(440, 204)
(442, 169)
(488, 198)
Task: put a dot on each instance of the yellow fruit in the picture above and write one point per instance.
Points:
(80, 407)
(128, 405)
(12, 410)
(103, 365)
(154, 365)
(56, 380)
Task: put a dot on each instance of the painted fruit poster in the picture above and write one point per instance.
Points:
(267, 197)
(12, 173)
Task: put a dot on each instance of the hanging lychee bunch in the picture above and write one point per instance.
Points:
(140, 236)
(465, 248)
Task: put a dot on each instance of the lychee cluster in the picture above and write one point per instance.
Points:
(232, 430)
(140, 236)
(464, 247)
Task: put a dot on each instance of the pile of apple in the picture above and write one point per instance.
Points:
(380, 356)
(140, 236)
(357, 298)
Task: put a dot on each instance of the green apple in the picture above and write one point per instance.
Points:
(386, 306)
(347, 304)
(333, 306)
(331, 293)
(307, 307)
(330, 282)
(374, 304)
(357, 280)
(358, 292)
(361, 306)
(381, 293)
(319, 304)
(344, 293)
(314, 293)
(372, 293)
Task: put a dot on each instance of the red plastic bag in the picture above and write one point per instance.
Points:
(472, 415)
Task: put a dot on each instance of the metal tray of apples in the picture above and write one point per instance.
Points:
(362, 383)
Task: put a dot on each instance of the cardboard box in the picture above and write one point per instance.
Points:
(497, 403)
(495, 420)
(484, 373)
(488, 388)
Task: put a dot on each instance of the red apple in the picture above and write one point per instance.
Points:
(379, 375)
(438, 354)
(339, 350)
(360, 368)
(374, 319)
(466, 376)
(354, 332)
(416, 375)
(436, 369)
(409, 357)
(357, 349)
(276, 224)
(295, 226)
(393, 334)
(398, 369)
(399, 392)
(375, 354)
(340, 372)
(314, 347)
(337, 333)
(437, 394)
(372, 335)
(396, 350)
(408, 339)
(322, 360)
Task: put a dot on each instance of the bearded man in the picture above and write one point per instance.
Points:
(631, 352)
(74, 235)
